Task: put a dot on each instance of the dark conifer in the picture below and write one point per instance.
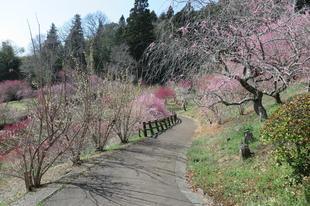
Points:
(52, 52)
(75, 45)
(170, 12)
(140, 29)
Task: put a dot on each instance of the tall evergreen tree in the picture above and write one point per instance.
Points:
(9, 63)
(52, 52)
(154, 16)
(101, 50)
(120, 34)
(52, 41)
(185, 16)
(140, 5)
(75, 45)
(162, 16)
(302, 4)
(170, 13)
(122, 22)
(140, 29)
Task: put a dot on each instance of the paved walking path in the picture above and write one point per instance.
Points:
(147, 173)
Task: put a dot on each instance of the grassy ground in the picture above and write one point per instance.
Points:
(116, 146)
(12, 111)
(215, 165)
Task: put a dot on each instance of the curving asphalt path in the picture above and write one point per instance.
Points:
(147, 173)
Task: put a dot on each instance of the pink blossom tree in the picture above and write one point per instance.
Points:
(122, 106)
(103, 118)
(183, 91)
(81, 106)
(164, 93)
(149, 107)
(260, 44)
(30, 148)
(210, 91)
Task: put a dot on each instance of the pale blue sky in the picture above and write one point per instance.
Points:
(14, 14)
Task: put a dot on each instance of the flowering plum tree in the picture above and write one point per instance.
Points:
(149, 107)
(262, 45)
(271, 49)
(30, 147)
(212, 89)
(103, 118)
(164, 93)
(81, 106)
(122, 106)
(183, 91)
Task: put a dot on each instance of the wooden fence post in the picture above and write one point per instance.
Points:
(168, 119)
(172, 120)
(161, 125)
(144, 129)
(165, 123)
(151, 128)
(157, 126)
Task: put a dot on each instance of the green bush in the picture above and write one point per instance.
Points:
(288, 130)
(247, 128)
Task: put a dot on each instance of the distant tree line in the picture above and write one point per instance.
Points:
(93, 44)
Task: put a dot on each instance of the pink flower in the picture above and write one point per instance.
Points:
(14, 90)
(164, 93)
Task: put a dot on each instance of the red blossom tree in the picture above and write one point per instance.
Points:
(164, 93)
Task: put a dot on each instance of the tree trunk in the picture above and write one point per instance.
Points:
(277, 97)
(28, 181)
(100, 149)
(37, 181)
(259, 108)
(184, 106)
(125, 141)
(258, 99)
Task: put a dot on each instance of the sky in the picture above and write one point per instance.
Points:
(15, 13)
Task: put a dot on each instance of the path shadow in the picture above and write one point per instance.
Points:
(117, 178)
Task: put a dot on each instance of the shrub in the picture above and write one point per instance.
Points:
(164, 93)
(68, 88)
(150, 107)
(247, 127)
(12, 90)
(29, 148)
(288, 130)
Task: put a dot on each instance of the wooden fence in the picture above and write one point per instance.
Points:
(158, 126)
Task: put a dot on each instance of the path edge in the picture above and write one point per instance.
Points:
(196, 198)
